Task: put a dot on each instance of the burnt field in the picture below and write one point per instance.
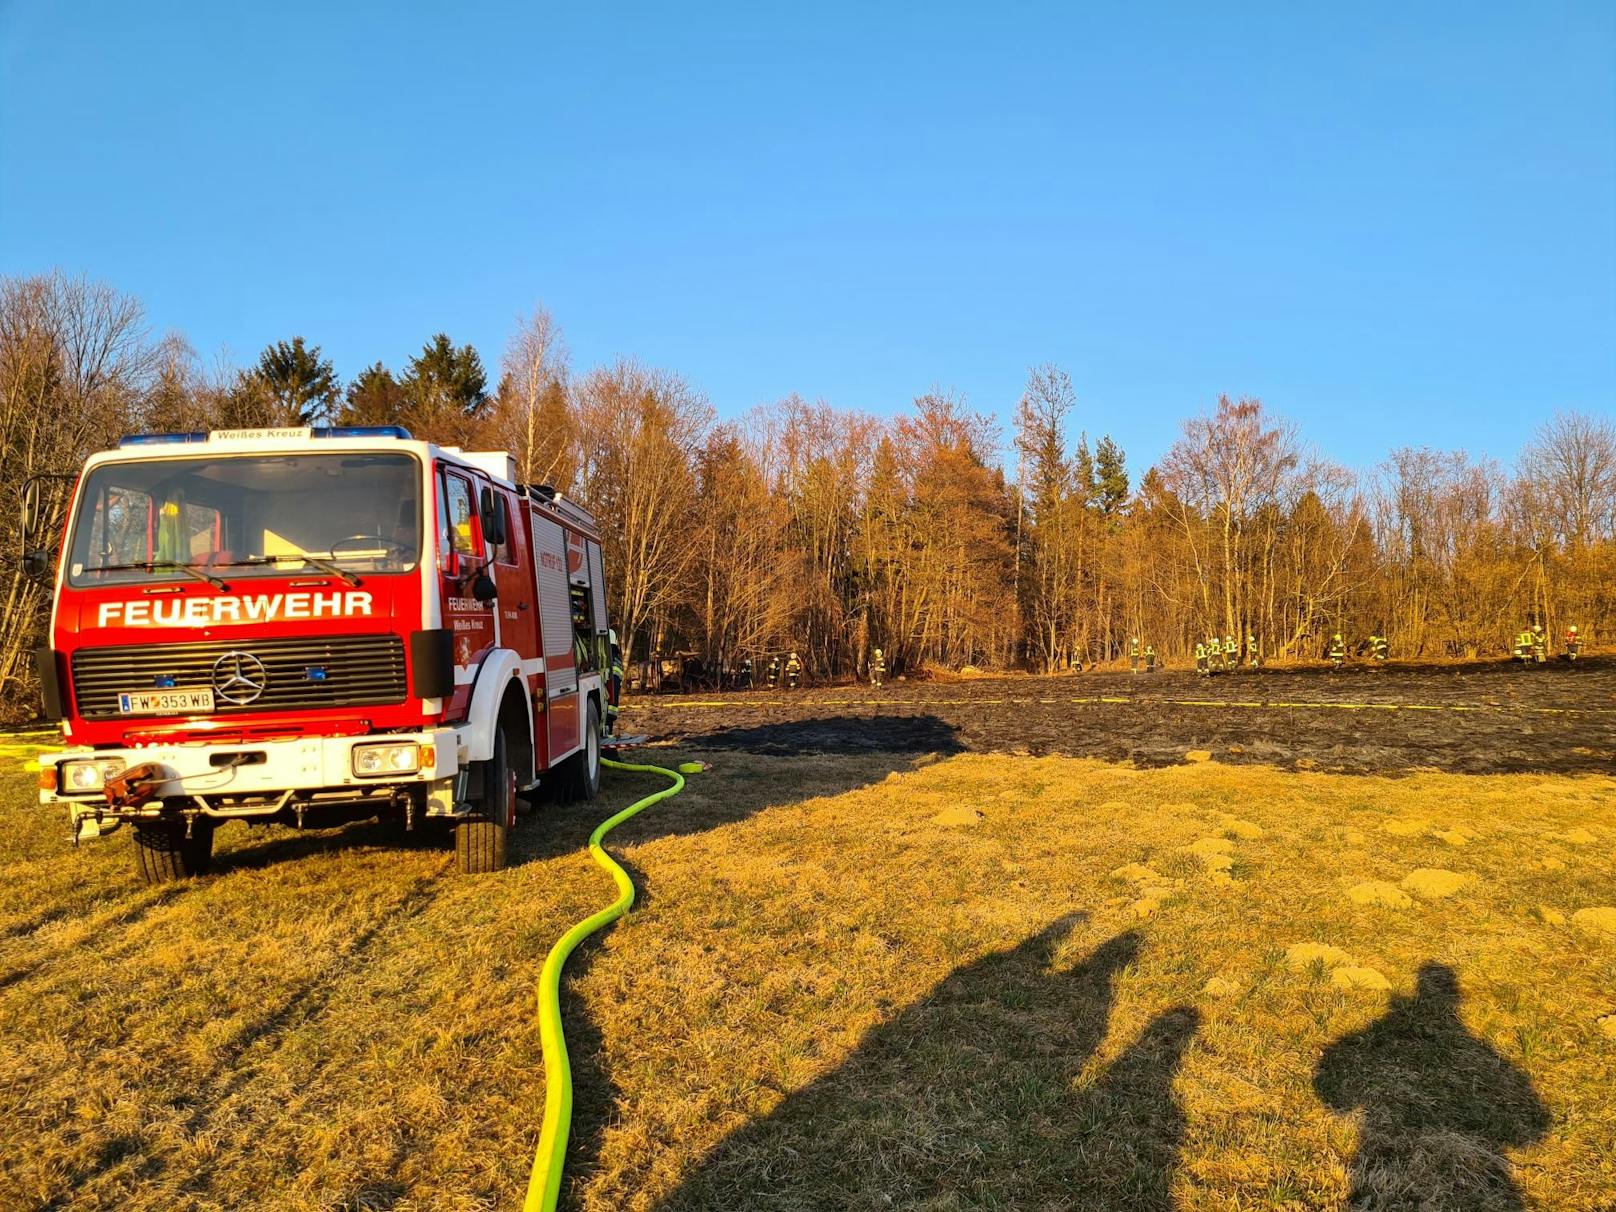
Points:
(1496, 718)
(879, 959)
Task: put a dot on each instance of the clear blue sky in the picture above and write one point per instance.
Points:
(1394, 223)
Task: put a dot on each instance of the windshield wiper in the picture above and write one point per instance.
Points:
(154, 565)
(319, 562)
(336, 570)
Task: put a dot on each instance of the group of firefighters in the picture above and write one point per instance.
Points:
(1223, 656)
(790, 669)
(786, 671)
(1532, 646)
(1378, 646)
(1212, 656)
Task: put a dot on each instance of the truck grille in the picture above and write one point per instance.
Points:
(333, 671)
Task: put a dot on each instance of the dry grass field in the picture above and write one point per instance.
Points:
(898, 976)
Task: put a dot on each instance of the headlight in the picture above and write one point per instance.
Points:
(89, 775)
(370, 761)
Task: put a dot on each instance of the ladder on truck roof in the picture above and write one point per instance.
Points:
(544, 494)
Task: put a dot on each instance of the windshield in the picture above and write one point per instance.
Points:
(246, 515)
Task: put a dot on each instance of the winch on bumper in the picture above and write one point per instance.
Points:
(258, 779)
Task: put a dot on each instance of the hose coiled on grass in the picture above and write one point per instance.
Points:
(544, 1185)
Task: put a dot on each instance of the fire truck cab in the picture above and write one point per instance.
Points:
(313, 626)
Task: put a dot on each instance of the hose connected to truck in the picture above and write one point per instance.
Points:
(544, 1186)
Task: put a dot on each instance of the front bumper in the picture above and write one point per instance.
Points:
(244, 780)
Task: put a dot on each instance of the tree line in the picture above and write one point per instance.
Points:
(828, 531)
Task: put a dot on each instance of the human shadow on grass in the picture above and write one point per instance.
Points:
(1438, 1106)
(974, 1097)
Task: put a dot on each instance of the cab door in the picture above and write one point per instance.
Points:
(512, 570)
(461, 557)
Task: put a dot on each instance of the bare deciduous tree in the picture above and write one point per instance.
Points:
(640, 432)
(532, 417)
(76, 368)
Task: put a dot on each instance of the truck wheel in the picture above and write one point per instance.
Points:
(163, 853)
(583, 775)
(480, 843)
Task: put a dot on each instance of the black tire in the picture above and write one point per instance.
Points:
(481, 842)
(582, 779)
(164, 854)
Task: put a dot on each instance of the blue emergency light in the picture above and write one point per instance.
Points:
(159, 439)
(362, 431)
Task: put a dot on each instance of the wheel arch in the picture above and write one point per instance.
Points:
(516, 718)
(499, 697)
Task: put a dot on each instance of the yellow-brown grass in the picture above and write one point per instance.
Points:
(843, 988)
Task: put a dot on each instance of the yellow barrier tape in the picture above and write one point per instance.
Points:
(1278, 705)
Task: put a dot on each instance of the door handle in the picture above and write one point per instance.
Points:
(521, 605)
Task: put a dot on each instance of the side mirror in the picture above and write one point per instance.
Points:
(484, 589)
(30, 509)
(36, 564)
(493, 519)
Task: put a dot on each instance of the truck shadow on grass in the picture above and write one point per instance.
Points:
(256, 847)
(862, 750)
(977, 1095)
(755, 768)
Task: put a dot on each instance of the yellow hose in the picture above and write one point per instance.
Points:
(544, 1186)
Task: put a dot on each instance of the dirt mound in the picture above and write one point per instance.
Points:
(1379, 892)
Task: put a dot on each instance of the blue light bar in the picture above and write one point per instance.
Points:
(159, 439)
(362, 431)
(320, 431)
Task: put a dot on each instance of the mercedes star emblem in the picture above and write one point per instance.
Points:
(239, 678)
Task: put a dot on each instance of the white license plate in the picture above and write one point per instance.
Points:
(166, 702)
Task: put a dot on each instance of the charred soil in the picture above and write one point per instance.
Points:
(1497, 718)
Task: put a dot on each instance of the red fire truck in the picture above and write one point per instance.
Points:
(312, 626)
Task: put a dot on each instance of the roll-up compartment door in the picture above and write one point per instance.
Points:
(597, 587)
(577, 569)
(555, 611)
